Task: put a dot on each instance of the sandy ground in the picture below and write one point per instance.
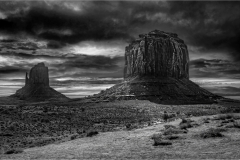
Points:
(137, 144)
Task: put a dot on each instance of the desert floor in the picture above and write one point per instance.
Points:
(190, 131)
(137, 144)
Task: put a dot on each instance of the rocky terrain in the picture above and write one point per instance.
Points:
(37, 124)
(157, 69)
(204, 137)
(37, 86)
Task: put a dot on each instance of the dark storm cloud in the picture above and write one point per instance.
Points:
(212, 25)
(214, 68)
(10, 69)
(98, 62)
(57, 22)
(26, 56)
(55, 44)
(8, 40)
(73, 66)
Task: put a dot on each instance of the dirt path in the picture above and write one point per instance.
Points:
(136, 144)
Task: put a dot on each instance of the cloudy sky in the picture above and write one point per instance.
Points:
(83, 42)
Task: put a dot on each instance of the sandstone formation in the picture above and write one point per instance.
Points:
(37, 86)
(157, 69)
(158, 54)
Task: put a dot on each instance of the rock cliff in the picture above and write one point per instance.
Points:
(157, 69)
(37, 86)
(38, 75)
(158, 54)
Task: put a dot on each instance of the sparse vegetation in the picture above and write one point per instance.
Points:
(171, 131)
(14, 151)
(186, 123)
(226, 117)
(172, 137)
(212, 132)
(29, 125)
(169, 126)
(74, 136)
(92, 133)
(158, 142)
(159, 139)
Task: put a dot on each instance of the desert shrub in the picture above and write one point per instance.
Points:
(186, 123)
(92, 133)
(74, 136)
(156, 136)
(45, 109)
(159, 141)
(170, 131)
(14, 151)
(229, 125)
(128, 126)
(159, 138)
(226, 116)
(236, 124)
(171, 137)
(6, 134)
(167, 116)
(206, 120)
(212, 132)
(227, 121)
(169, 126)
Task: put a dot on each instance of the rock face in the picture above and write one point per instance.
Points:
(157, 69)
(38, 75)
(37, 86)
(158, 54)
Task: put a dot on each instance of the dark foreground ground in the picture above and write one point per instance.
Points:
(38, 124)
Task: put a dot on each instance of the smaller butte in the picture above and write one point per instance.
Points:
(37, 86)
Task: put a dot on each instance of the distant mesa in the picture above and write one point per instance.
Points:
(37, 86)
(157, 69)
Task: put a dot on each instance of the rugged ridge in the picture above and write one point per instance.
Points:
(37, 86)
(157, 69)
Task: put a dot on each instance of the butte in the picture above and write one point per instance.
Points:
(157, 69)
(37, 86)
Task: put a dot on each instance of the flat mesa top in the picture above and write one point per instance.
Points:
(159, 35)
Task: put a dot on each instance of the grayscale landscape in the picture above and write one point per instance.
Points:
(119, 79)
